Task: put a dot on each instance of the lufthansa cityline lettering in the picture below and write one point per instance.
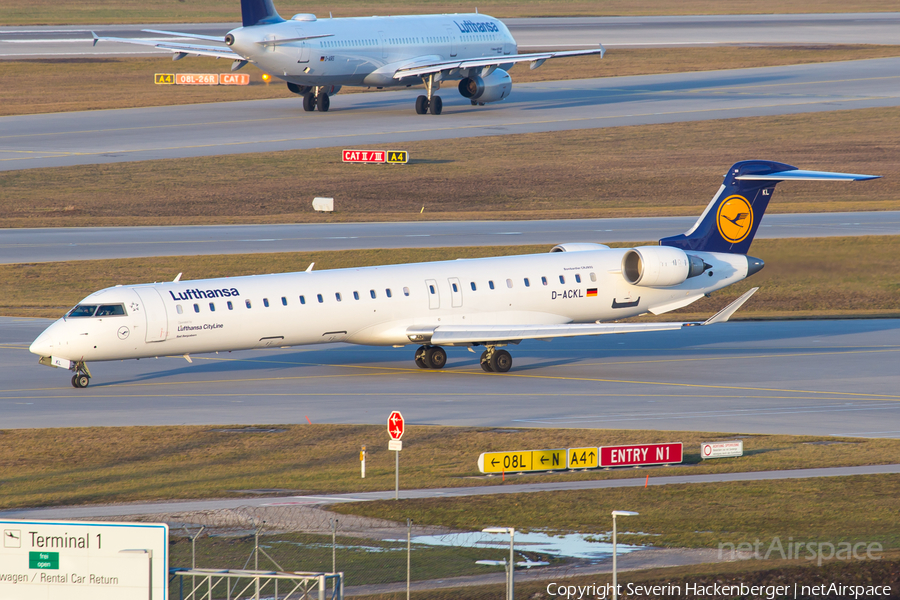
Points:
(196, 294)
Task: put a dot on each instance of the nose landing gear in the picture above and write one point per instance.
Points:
(82, 376)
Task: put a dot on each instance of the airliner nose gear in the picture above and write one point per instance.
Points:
(82, 376)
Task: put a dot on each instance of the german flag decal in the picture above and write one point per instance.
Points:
(592, 292)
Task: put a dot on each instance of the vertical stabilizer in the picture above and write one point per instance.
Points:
(730, 221)
(259, 12)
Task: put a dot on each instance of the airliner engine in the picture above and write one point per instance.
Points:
(493, 88)
(660, 266)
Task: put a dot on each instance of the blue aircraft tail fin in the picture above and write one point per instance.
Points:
(259, 12)
(730, 221)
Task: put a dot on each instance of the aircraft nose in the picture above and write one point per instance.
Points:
(43, 345)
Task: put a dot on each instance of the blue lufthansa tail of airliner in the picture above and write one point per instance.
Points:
(259, 12)
(730, 221)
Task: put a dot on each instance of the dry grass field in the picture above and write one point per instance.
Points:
(43, 467)
(670, 169)
(62, 85)
(57, 12)
(819, 277)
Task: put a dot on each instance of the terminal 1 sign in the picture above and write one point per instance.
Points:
(75, 560)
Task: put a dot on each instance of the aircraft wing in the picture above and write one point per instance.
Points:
(463, 334)
(537, 58)
(176, 47)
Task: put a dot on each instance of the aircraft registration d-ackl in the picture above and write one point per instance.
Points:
(316, 57)
(487, 302)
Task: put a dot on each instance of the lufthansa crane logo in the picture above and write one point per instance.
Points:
(735, 219)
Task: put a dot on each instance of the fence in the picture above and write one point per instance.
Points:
(376, 556)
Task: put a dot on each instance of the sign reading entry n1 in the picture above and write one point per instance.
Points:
(640, 454)
(75, 560)
(722, 449)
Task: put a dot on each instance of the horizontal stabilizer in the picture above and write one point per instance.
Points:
(192, 36)
(801, 175)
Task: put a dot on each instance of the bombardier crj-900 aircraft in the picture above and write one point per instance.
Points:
(317, 57)
(487, 302)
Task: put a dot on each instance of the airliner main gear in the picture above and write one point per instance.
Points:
(430, 102)
(431, 357)
(496, 361)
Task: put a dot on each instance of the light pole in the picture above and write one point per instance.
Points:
(510, 577)
(617, 513)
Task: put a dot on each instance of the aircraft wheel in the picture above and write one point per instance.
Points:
(81, 380)
(75, 381)
(436, 105)
(309, 102)
(421, 105)
(322, 102)
(486, 363)
(436, 357)
(420, 358)
(501, 361)
(474, 103)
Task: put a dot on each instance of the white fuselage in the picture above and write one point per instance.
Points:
(371, 305)
(367, 51)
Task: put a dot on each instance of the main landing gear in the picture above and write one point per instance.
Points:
(316, 98)
(82, 377)
(493, 360)
(431, 357)
(496, 361)
(430, 102)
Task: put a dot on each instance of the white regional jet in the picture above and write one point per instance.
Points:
(317, 57)
(487, 302)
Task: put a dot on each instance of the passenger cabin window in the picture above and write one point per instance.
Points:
(83, 310)
(577, 278)
(230, 305)
(473, 286)
(266, 302)
(509, 283)
(527, 283)
(372, 293)
(283, 301)
(431, 288)
(178, 309)
(406, 291)
(387, 292)
(356, 295)
(302, 299)
(196, 308)
(544, 280)
(562, 278)
(247, 302)
(337, 296)
(455, 289)
(110, 310)
(212, 307)
(319, 298)
(491, 284)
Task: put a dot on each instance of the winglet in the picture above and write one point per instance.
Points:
(602, 51)
(96, 38)
(725, 314)
(310, 267)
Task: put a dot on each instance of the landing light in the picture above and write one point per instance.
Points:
(266, 77)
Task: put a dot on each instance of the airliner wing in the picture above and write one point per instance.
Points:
(178, 48)
(462, 334)
(537, 58)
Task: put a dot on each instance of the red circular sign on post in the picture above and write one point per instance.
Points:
(395, 425)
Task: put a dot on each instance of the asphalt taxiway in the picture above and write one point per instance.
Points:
(99, 243)
(56, 41)
(388, 119)
(792, 377)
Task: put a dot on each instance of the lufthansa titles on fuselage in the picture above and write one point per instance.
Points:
(197, 294)
(468, 26)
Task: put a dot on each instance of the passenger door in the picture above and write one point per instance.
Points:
(155, 313)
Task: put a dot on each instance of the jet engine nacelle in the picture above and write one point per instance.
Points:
(331, 90)
(660, 266)
(493, 88)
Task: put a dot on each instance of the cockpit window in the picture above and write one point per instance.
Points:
(110, 310)
(83, 310)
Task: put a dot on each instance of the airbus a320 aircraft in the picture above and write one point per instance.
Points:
(316, 57)
(486, 302)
